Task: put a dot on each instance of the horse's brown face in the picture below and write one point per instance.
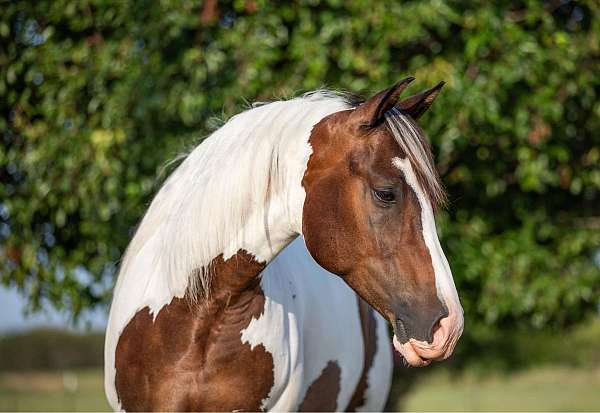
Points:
(363, 219)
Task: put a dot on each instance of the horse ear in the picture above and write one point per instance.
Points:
(372, 111)
(416, 105)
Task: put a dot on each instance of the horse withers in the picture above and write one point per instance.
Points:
(208, 315)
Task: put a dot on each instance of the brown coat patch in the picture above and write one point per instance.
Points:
(369, 332)
(322, 394)
(192, 357)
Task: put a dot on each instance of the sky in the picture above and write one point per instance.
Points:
(13, 316)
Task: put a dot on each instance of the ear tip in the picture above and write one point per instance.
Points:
(399, 87)
(440, 84)
(403, 82)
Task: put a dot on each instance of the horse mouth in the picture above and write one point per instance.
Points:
(409, 354)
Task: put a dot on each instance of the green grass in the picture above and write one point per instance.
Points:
(53, 391)
(550, 388)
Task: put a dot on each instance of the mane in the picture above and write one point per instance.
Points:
(203, 208)
(414, 144)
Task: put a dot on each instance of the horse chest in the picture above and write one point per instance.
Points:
(311, 327)
(186, 361)
(280, 350)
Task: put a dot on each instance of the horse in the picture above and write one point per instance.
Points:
(208, 313)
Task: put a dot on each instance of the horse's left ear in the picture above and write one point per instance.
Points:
(416, 105)
(372, 111)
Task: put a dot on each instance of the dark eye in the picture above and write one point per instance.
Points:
(385, 195)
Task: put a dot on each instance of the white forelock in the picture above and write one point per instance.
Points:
(413, 143)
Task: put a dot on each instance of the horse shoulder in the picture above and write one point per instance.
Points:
(190, 358)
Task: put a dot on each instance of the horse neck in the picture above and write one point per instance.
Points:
(238, 192)
(264, 230)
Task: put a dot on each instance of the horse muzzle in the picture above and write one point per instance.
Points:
(442, 340)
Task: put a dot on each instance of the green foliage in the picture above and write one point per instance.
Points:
(97, 96)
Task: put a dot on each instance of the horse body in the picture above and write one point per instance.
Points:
(207, 316)
(287, 337)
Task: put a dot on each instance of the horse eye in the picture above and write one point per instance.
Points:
(385, 195)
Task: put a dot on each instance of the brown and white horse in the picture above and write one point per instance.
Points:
(207, 316)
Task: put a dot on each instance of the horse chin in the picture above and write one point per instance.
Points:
(409, 353)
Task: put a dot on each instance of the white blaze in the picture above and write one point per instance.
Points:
(446, 290)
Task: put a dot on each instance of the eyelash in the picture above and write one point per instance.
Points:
(385, 195)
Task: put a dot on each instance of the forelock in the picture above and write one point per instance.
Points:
(414, 144)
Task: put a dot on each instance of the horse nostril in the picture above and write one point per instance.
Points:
(419, 323)
(436, 325)
(435, 328)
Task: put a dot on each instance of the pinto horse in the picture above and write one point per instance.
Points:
(207, 315)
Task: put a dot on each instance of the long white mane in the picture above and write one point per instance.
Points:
(217, 200)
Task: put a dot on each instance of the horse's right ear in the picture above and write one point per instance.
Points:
(416, 105)
(372, 111)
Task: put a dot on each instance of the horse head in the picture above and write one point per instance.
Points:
(371, 189)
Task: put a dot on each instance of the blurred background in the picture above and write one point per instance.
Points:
(97, 96)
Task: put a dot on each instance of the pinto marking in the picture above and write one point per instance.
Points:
(369, 331)
(322, 393)
(292, 325)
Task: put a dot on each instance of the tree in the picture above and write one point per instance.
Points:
(97, 97)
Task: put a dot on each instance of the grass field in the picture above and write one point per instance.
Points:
(53, 391)
(538, 389)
